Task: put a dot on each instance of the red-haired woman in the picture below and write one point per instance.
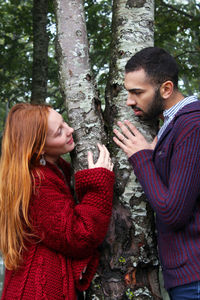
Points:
(49, 243)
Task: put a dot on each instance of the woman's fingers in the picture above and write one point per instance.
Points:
(103, 160)
(101, 153)
(90, 160)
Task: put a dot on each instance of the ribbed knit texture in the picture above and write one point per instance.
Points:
(170, 177)
(68, 234)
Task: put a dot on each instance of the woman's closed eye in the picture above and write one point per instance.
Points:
(59, 131)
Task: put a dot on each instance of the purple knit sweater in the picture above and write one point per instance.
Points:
(170, 177)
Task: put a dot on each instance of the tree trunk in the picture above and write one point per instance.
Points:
(129, 265)
(1, 275)
(76, 80)
(40, 51)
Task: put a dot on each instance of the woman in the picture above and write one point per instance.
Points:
(49, 243)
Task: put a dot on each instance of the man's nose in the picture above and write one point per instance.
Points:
(130, 100)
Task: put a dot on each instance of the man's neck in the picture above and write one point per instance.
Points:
(174, 99)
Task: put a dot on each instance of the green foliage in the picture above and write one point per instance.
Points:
(130, 294)
(177, 29)
(15, 49)
(98, 19)
(122, 260)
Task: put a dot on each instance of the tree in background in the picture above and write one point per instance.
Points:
(40, 51)
(15, 49)
(177, 29)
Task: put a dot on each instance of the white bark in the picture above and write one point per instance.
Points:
(132, 30)
(76, 79)
(129, 248)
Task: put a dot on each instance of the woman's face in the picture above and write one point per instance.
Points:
(59, 137)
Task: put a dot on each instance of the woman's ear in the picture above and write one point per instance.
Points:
(166, 89)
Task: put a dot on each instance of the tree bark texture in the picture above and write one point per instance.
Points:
(129, 267)
(40, 51)
(1, 275)
(129, 264)
(76, 80)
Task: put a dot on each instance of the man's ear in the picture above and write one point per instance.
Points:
(166, 89)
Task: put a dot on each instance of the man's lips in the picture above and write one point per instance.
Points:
(137, 111)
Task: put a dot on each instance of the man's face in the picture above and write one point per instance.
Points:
(143, 96)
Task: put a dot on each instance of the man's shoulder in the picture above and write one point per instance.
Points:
(190, 112)
(187, 119)
(190, 108)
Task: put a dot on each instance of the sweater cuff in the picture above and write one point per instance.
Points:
(91, 264)
(138, 159)
(98, 179)
(88, 176)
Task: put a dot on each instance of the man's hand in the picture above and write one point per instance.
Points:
(131, 140)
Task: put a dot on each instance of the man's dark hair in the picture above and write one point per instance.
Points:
(158, 64)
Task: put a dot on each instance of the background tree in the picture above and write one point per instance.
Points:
(40, 51)
(177, 29)
(179, 35)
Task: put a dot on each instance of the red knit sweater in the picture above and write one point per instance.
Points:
(69, 234)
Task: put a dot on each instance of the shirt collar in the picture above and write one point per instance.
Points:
(171, 112)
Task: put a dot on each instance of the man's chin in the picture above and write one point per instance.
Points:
(149, 118)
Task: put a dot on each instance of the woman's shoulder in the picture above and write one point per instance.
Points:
(51, 173)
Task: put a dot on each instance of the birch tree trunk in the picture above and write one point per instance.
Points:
(2, 271)
(129, 265)
(76, 80)
(40, 51)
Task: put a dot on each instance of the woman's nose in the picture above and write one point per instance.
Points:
(70, 130)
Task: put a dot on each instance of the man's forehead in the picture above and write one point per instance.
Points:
(136, 79)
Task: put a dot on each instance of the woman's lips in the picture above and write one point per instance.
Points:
(71, 141)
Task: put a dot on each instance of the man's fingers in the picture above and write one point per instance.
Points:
(120, 136)
(133, 129)
(129, 134)
(153, 144)
(119, 143)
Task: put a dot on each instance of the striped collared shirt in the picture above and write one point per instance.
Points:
(172, 111)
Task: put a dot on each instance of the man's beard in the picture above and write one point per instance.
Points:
(155, 109)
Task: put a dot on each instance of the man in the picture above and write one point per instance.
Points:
(169, 168)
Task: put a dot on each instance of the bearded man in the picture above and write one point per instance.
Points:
(169, 168)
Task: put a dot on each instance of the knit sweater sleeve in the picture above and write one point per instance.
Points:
(173, 202)
(73, 230)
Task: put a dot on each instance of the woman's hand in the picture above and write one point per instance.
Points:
(103, 161)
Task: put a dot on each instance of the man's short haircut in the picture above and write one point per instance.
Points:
(158, 64)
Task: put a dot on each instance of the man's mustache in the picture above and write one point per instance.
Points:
(136, 107)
